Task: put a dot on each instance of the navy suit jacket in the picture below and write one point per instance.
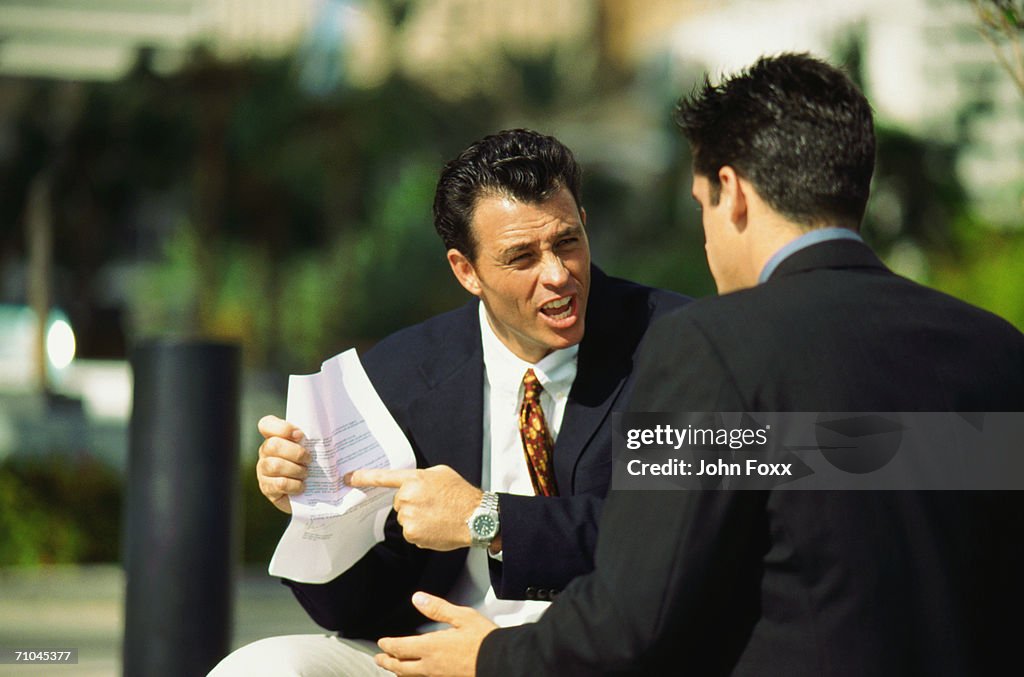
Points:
(431, 378)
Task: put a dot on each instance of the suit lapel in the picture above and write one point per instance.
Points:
(448, 418)
(600, 374)
(596, 388)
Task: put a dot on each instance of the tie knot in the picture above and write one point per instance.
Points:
(531, 386)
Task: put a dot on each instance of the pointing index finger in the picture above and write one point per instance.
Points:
(380, 477)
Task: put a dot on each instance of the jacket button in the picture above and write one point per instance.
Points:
(531, 592)
(544, 593)
(554, 593)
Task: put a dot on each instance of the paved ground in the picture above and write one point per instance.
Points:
(81, 607)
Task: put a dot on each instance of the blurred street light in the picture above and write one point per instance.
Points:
(18, 360)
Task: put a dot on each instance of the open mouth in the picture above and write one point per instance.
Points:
(560, 309)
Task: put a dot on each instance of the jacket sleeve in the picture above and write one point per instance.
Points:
(546, 542)
(371, 599)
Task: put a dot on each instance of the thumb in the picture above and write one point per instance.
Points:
(435, 608)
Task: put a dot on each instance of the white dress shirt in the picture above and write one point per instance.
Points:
(504, 461)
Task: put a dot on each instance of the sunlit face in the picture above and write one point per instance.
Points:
(532, 271)
(720, 243)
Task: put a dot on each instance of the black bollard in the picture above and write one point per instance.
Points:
(181, 497)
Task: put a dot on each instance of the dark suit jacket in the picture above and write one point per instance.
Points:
(430, 376)
(802, 582)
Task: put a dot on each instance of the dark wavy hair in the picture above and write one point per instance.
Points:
(797, 128)
(516, 163)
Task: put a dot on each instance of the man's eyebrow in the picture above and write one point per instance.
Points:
(568, 231)
(515, 249)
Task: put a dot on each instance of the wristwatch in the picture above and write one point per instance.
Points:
(483, 523)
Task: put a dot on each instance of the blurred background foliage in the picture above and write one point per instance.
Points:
(55, 510)
(273, 200)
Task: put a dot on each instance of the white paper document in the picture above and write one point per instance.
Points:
(346, 427)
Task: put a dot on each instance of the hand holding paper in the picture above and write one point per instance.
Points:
(345, 427)
(283, 464)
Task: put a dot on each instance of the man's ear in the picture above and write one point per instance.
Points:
(464, 271)
(583, 216)
(733, 195)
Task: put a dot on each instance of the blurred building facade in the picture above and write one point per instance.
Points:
(925, 68)
(925, 65)
(99, 39)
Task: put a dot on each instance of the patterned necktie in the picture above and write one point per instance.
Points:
(537, 443)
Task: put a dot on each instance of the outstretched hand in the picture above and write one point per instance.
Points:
(444, 653)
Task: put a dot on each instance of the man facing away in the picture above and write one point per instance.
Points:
(777, 582)
(507, 404)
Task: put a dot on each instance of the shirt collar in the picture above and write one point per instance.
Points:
(556, 371)
(812, 237)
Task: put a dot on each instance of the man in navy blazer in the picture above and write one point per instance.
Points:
(508, 209)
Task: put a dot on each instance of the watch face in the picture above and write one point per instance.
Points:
(484, 526)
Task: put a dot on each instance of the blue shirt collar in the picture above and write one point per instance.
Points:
(816, 236)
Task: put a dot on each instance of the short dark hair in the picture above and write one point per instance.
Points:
(797, 128)
(516, 163)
